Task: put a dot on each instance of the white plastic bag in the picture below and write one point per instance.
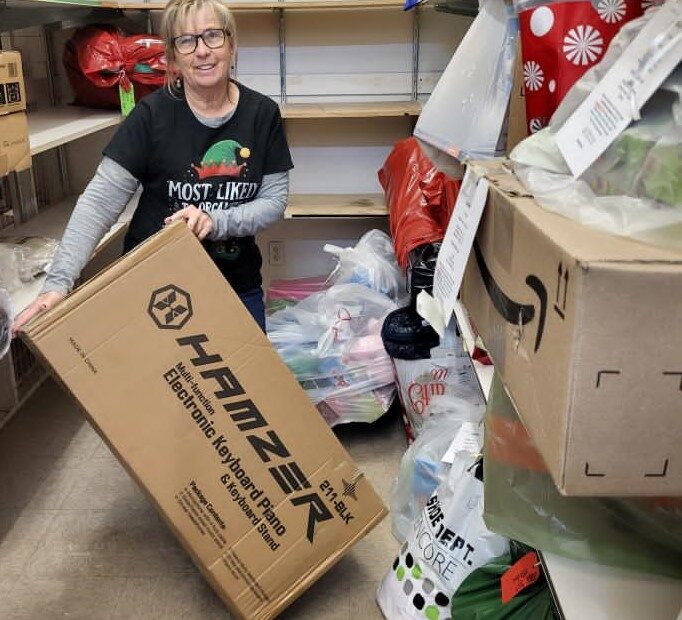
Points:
(331, 341)
(371, 263)
(449, 372)
(465, 114)
(447, 542)
(426, 464)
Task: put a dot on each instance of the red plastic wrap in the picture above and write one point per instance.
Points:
(98, 58)
(420, 199)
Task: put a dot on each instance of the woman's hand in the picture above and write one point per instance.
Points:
(198, 221)
(43, 302)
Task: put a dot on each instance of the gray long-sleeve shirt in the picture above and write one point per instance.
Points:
(111, 188)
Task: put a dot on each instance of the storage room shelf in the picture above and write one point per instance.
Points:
(584, 590)
(336, 205)
(282, 4)
(53, 127)
(51, 222)
(351, 110)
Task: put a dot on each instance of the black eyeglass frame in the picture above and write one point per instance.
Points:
(196, 37)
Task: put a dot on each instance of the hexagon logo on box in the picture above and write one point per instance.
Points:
(170, 307)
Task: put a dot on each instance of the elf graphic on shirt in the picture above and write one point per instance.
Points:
(221, 160)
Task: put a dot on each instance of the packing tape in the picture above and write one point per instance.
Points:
(6, 319)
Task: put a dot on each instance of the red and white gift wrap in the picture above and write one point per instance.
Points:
(560, 41)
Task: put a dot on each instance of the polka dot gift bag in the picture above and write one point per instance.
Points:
(560, 41)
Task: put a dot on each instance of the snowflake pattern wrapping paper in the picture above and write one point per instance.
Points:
(562, 40)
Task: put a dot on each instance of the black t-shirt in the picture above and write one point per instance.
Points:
(180, 162)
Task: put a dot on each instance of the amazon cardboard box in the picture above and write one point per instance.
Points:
(12, 89)
(187, 391)
(15, 152)
(585, 330)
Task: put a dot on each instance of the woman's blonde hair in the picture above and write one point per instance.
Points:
(177, 12)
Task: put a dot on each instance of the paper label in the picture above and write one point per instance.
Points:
(458, 241)
(629, 83)
(518, 577)
(127, 98)
(467, 439)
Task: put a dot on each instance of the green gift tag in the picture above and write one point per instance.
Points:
(127, 98)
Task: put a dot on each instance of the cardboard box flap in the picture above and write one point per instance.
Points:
(586, 245)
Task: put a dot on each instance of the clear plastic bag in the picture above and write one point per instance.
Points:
(32, 255)
(6, 319)
(284, 293)
(331, 342)
(522, 502)
(371, 263)
(9, 271)
(444, 374)
(634, 188)
(465, 114)
(422, 467)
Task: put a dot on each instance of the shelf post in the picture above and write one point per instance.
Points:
(282, 59)
(415, 52)
(48, 30)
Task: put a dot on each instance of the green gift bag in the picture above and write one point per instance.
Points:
(480, 595)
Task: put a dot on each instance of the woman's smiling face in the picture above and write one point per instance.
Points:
(204, 68)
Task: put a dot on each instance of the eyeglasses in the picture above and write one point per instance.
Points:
(213, 38)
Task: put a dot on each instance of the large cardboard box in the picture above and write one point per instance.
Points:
(15, 150)
(177, 377)
(585, 329)
(12, 88)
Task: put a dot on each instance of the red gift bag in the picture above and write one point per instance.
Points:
(99, 58)
(560, 41)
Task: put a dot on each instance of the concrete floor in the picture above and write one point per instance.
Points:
(78, 540)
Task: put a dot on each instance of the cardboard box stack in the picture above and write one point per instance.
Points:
(171, 369)
(584, 329)
(15, 153)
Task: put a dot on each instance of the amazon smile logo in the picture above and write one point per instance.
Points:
(512, 311)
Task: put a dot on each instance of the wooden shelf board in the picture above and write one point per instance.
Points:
(368, 109)
(51, 222)
(52, 127)
(336, 205)
(249, 5)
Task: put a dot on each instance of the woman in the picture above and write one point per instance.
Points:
(206, 150)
